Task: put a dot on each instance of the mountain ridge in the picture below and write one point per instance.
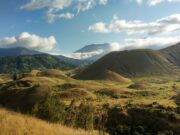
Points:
(17, 51)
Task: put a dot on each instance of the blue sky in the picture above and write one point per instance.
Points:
(73, 32)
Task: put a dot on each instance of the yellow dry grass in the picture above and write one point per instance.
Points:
(15, 124)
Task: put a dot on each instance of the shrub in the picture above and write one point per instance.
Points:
(85, 118)
(51, 109)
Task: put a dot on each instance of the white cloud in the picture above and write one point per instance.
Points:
(85, 55)
(129, 44)
(145, 43)
(164, 25)
(29, 41)
(55, 7)
(115, 47)
(52, 17)
(155, 2)
(99, 27)
(84, 5)
(51, 4)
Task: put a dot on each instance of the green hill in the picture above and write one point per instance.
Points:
(29, 62)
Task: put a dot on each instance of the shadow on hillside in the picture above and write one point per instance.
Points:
(177, 100)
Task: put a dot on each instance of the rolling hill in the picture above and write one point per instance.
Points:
(27, 63)
(24, 60)
(141, 62)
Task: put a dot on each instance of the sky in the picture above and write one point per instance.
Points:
(64, 26)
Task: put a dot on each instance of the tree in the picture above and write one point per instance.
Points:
(85, 116)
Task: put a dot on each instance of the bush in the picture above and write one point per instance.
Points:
(50, 109)
(85, 117)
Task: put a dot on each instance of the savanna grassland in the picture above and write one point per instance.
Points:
(127, 106)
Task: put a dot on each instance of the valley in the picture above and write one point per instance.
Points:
(113, 104)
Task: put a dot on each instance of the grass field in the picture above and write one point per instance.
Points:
(151, 95)
(17, 124)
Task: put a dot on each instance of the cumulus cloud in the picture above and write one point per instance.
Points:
(56, 7)
(155, 2)
(30, 41)
(164, 25)
(99, 27)
(150, 43)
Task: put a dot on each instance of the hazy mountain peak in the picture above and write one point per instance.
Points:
(93, 47)
(16, 51)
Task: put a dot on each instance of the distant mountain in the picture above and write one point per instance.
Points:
(94, 47)
(17, 51)
(74, 62)
(141, 62)
(99, 50)
(24, 60)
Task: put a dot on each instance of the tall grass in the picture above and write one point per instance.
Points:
(16, 124)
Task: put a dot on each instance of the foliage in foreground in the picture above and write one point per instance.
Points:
(114, 120)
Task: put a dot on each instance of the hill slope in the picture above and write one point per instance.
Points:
(130, 63)
(24, 60)
(172, 53)
(27, 63)
(16, 124)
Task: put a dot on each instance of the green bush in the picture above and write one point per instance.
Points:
(85, 117)
(51, 109)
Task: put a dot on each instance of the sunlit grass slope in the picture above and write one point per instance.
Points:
(15, 124)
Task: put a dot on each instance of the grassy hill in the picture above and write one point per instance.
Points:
(18, 124)
(104, 75)
(172, 53)
(141, 62)
(20, 59)
(130, 63)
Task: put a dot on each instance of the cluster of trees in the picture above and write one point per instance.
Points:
(51, 109)
(113, 120)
